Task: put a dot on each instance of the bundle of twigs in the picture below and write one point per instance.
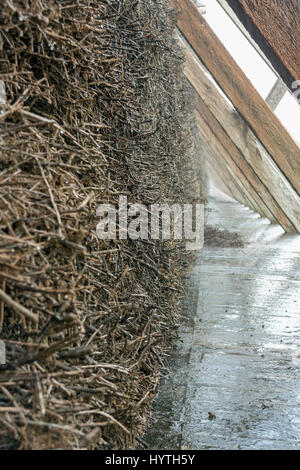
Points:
(95, 106)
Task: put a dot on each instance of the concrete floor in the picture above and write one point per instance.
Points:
(235, 374)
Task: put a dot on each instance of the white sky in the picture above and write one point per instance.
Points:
(252, 64)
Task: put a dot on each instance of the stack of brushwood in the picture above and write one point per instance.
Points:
(93, 105)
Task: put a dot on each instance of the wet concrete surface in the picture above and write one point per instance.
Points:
(234, 381)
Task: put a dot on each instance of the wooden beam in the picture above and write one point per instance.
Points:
(266, 205)
(229, 178)
(226, 151)
(2, 103)
(276, 94)
(217, 181)
(229, 11)
(230, 188)
(238, 88)
(201, 6)
(218, 176)
(244, 139)
(275, 27)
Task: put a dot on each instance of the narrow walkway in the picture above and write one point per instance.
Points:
(235, 382)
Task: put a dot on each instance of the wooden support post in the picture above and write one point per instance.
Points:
(238, 88)
(274, 26)
(235, 159)
(2, 104)
(230, 188)
(233, 186)
(273, 185)
(276, 94)
(223, 155)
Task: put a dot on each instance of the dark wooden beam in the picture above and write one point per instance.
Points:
(275, 27)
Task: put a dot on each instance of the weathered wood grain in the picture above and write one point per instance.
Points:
(228, 150)
(275, 26)
(260, 118)
(232, 177)
(275, 183)
(276, 94)
(231, 190)
(211, 134)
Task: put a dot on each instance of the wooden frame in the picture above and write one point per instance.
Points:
(261, 120)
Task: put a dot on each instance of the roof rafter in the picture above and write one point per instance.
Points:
(261, 147)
